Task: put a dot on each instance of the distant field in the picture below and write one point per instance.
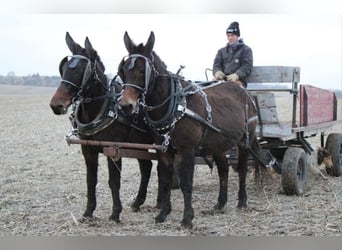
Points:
(25, 90)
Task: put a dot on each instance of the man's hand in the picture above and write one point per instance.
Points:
(219, 75)
(233, 77)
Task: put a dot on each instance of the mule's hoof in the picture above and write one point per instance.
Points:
(242, 205)
(160, 218)
(115, 218)
(187, 224)
(88, 215)
(219, 207)
(135, 208)
(85, 219)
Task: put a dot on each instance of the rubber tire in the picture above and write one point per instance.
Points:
(294, 171)
(334, 146)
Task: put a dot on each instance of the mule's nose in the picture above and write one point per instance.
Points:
(127, 109)
(58, 109)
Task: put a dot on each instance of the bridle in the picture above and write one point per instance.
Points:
(89, 70)
(108, 110)
(150, 72)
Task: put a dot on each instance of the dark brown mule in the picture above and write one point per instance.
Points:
(191, 120)
(96, 117)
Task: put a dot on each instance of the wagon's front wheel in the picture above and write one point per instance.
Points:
(294, 171)
(334, 146)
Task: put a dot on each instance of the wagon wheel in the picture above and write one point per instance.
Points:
(334, 146)
(294, 172)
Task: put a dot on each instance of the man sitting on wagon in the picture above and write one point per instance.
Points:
(233, 62)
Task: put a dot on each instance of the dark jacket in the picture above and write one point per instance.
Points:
(237, 58)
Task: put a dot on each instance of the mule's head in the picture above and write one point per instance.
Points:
(136, 71)
(77, 72)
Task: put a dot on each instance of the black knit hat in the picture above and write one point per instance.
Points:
(234, 28)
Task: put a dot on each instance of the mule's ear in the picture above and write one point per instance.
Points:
(89, 49)
(129, 44)
(150, 42)
(73, 47)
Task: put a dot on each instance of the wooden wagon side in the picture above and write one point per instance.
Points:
(284, 143)
(317, 110)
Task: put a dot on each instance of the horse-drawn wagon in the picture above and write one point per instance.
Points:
(204, 132)
(284, 142)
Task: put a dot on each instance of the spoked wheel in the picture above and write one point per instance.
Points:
(294, 171)
(334, 146)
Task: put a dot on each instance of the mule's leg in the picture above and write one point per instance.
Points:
(223, 168)
(91, 160)
(158, 204)
(114, 169)
(174, 183)
(165, 171)
(186, 183)
(242, 170)
(255, 147)
(145, 172)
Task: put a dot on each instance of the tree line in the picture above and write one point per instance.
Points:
(31, 80)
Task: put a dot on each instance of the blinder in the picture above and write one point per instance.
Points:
(73, 63)
(149, 69)
(74, 60)
(61, 64)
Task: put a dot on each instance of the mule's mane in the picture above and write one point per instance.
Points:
(96, 59)
(138, 49)
(102, 67)
(99, 64)
(158, 63)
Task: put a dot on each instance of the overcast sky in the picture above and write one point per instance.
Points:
(35, 43)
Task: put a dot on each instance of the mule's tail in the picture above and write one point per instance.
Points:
(261, 174)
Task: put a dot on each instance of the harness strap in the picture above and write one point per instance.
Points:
(225, 133)
(203, 138)
(106, 116)
(172, 114)
(71, 83)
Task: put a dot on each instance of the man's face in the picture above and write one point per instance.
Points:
(232, 38)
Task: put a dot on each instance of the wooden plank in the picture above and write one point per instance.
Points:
(267, 107)
(265, 99)
(315, 128)
(114, 144)
(116, 153)
(316, 105)
(274, 74)
(269, 116)
(274, 131)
